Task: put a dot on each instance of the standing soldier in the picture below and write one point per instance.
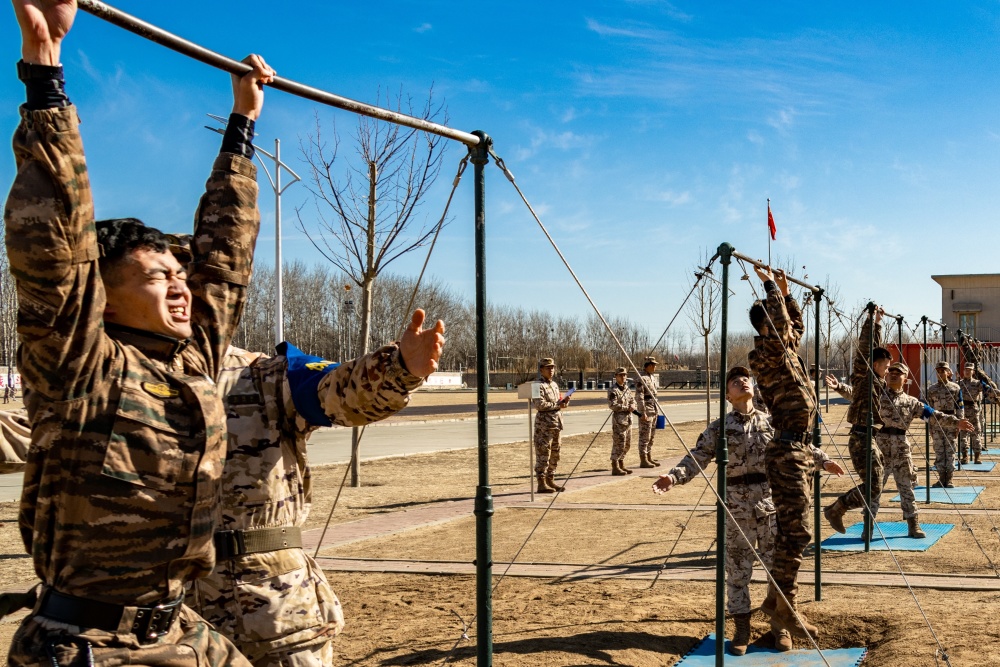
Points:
(548, 427)
(748, 497)
(645, 398)
(857, 417)
(975, 384)
(121, 356)
(898, 409)
(621, 400)
(784, 385)
(945, 397)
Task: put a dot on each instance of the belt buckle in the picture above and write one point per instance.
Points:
(152, 622)
(233, 540)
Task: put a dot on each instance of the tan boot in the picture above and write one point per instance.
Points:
(977, 459)
(543, 486)
(785, 618)
(621, 464)
(616, 468)
(914, 529)
(644, 461)
(770, 602)
(835, 515)
(782, 640)
(550, 480)
(741, 638)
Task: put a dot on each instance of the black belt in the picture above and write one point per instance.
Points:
(150, 622)
(749, 478)
(888, 430)
(791, 436)
(970, 403)
(863, 430)
(232, 543)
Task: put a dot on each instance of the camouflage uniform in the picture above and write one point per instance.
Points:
(784, 385)
(15, 437)
(898, 409)
(973, 390)
(645, 399)
(548, 428)
(128, 431)
(857, 416)
(945, 397)
(621, 401)
(275, 604)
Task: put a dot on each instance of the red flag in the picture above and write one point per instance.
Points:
(771, 227)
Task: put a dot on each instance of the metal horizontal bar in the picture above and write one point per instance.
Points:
(200, 53)
(935, 322)
(814, 288)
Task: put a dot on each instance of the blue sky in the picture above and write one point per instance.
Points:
(643, 132)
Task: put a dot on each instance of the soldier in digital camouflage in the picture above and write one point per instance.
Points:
(120, 354)
(748, 497)
(645, 398)
(784, 385)
(945, 397)
(897, 410)
(975, 385)
(621, 402)
(548, 426)
(266, 593)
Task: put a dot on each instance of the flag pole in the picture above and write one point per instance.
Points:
(769, 231)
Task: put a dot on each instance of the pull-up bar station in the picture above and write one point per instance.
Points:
(479, 145)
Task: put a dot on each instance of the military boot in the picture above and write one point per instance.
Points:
(616, 468)
(965, 458)
(741, 638)
(644, 461)
(621, 464)
(785, 618)
(977, 459)
(835, 515)
(649, 457)
(550, 480)
(914, 529)
(543, 486)
(782, 640)
(770, 602)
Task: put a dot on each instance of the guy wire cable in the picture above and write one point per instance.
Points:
(722, 505)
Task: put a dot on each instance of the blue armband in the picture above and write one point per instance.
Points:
(304, 373)
(928, 412)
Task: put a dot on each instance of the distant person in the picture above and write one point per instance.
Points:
(945, 397)
(6, 393)
(621, 401)
(976, 386)
(548, 427)
(645, 398)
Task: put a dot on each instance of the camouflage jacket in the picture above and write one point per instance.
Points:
(621, 399)
(780, 373)
(898, 410)
(128, 431)
(15, 437)
(747, 436)
(548, 414)
(973, 353)
(857, 413)
(973, 391)
(267, 483)
(645, 395)
(946, 397)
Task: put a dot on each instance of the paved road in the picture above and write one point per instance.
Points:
(333, 445)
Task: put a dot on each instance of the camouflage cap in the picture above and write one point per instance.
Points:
(738, 372)
(899, 367)
(621, 371)
(180, 247)
(650, 360)
(942, 364)
(546, 361)
(970, 365)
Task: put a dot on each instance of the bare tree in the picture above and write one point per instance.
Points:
(702, 310)
(366, 207)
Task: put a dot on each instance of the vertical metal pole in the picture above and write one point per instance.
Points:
(722, 461)
(480, 157)
(927, 426)
(531, 452)
(870, 424)
(817, 441)
(899, 337)
(279, 316)
(958, 370)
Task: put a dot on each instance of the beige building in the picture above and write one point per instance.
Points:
(971, 302)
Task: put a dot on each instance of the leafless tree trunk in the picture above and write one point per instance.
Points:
(702, 310)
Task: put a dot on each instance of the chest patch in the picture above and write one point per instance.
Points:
(160, 390)
(318, 365)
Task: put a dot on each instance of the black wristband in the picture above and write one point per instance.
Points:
(238, 138)
(43, 86)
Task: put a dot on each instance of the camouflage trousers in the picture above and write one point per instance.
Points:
(973, 439)
(945, 440)
(621, 435)
(898, 460)
(191, 642)
(647, 433)
(789, 472)
(547, 445)
(761, 530)
(276, 606)
(859, 459)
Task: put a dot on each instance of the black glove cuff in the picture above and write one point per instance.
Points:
(238, 138)
(43, 85)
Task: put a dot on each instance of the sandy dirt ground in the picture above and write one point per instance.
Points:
(406, 619)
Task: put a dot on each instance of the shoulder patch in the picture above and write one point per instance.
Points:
(319, 365)
(160, 390)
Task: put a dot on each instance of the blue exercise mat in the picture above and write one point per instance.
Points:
(985, 466)
(960, 495)
(703, 655)
(895, 538)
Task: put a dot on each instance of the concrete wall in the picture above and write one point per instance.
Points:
(971, 293)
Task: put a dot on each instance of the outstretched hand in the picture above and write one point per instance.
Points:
(966, 425)
(43, 24)
(663, 484)
(421, 348)
(831, 382)
(834, 468)
(248, 90)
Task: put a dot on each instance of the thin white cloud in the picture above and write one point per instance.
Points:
(423, 27)
(671, 197)
(608, 31)
(668, 8)
(754, 137)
